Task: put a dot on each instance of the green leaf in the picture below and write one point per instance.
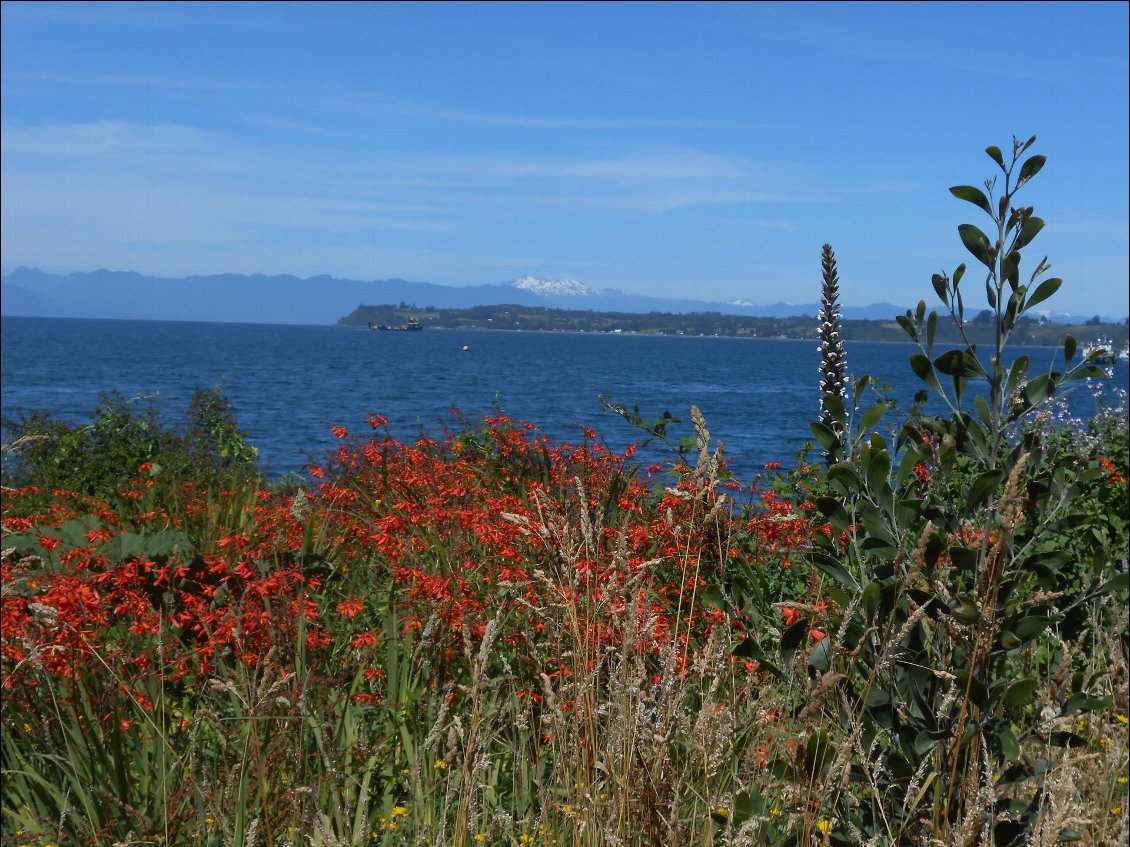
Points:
(835, 513)
(833, 568)
(1030, 168)
(1019, 692)
(996, 155)
(1069, 345)
(928, 739)
(820, 657)
(1029, 627)
(958, 363)
(824, 435)
(844, 473)
(873, 415)
(983, 486)
(977, 243)
(941, 287)
(1083, 702)
(791, 639)
(878, 470)
(982, 406)
(972, 195)
(924, 370)
(966, 612)
(834, 406)
(1028, 230)
(1038, 389)
(1010, 746)
(1118, 583)
(964, 558)
(1016, 373)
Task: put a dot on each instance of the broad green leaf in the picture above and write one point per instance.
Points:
(824, 435)
(941, 287)
(1083, 702)
(966, 612)
(982, 406)
(848, 480)
(972, 195)
(873, 415)
(929, 739)
(878, 471)
(959, 363)
(996, 155)
(1016, 373)
(964, 558)
(1069, 345)
(1010, 746)
(1088, 372)
(820, 656)
(1038, 389)
(791, 639)
(1030, 168)
(834, 405)
(907, 325)
(924, 369)
(1030, 626)
(1117, 583)
(983, 486)
(977, 243)
(833, 568)
(909, 461)
(1028, 230)
(835, 513)
(1019, 692)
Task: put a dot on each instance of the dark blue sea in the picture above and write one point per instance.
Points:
(290, 384)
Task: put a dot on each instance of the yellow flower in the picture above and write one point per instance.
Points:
(440, 765)
(1116, 810)
(776, 813)
(1123, 719)
(824, 827)
(526, 838)
(722, 810)
(480, 837)
(399, 812)
(1122, 780)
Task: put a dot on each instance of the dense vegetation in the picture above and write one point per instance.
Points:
(1031, 331)
(920, 638)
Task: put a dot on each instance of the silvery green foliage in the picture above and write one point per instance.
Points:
(955, 569)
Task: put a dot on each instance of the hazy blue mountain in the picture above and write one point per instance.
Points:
(286, 299)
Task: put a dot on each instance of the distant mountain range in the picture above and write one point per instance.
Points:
(237, 298)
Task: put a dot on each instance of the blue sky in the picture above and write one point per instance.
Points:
(676, 150)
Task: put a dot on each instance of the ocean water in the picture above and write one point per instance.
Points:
(290, 384)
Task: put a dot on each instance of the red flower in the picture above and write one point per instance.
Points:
(351, 607)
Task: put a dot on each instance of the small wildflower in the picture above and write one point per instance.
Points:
(479, 837)
(399, 811)
(1116, 810)
(440, 765)
(723, 811)
(824, 827)
(1123, 719)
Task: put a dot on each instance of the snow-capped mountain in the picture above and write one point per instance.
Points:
(564, 287)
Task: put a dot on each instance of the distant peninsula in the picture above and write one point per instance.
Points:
(514, 317)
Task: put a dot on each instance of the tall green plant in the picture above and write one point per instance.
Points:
(944, 555)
